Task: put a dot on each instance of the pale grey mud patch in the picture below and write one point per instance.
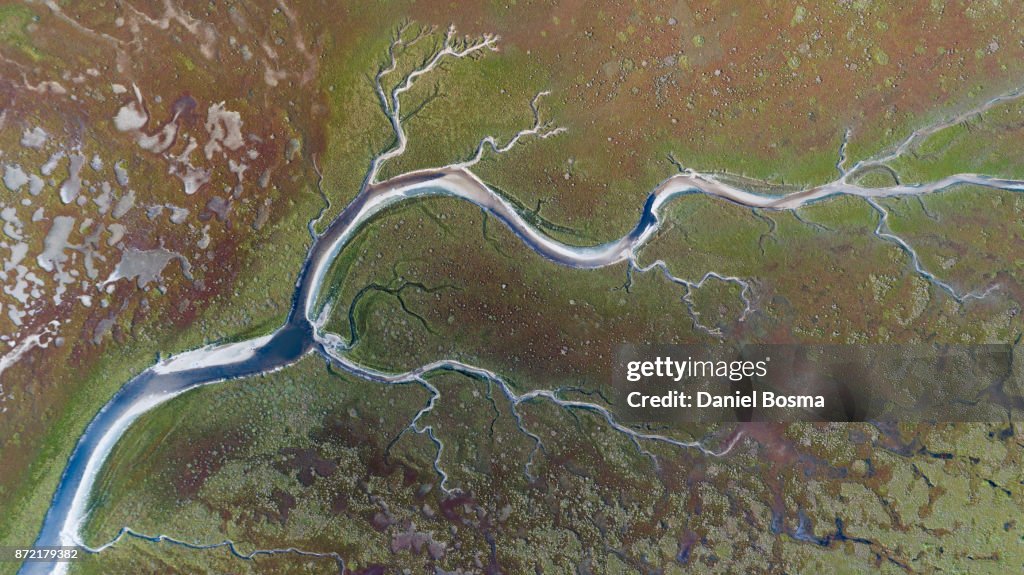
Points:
(120, 173)
(51, 164)
(12, 225)
(130, 117)
(124, 203)
(34, 138)
(116, 233)
(72, 186)
(146, 266)
(35, 184)
(178, 214)
(55, 243)
(14, 177)
(225, 129)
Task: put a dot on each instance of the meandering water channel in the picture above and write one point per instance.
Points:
(303, 332)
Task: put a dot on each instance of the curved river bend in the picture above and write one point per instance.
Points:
(302, 332)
